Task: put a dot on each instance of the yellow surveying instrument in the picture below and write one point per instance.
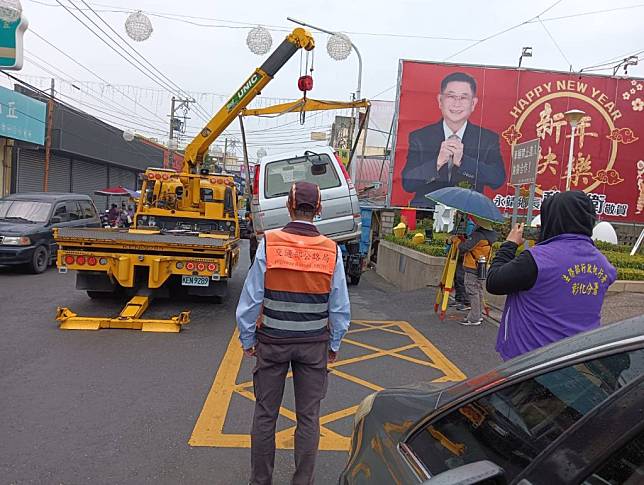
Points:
(446, 284)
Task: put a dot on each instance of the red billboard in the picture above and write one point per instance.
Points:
(456, 125)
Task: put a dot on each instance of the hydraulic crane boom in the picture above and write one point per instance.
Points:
(195, 151)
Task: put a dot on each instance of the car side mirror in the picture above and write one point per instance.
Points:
(55, 220)
(482, 472)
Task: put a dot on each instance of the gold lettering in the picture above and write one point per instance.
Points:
(515, 112)
(523, 104)
(581, 87)
(596, 92)
(602, 98)
(571, 85)
(616, 115)
(561, 85)
(529, 95)
(548, 86)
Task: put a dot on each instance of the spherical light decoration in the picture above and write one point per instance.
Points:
(261, 153)
(128, 135)
(10, 10)
(339, 47)
(138, 26)
(259, 40)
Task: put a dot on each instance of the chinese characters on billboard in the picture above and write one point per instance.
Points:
(456, 125)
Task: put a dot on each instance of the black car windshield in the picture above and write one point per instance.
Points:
(25, 210)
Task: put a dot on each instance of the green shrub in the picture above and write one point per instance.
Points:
(604, 246)
(622, 260)
(423, 248)
(630, 274)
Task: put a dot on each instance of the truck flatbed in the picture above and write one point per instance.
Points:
(67, 236)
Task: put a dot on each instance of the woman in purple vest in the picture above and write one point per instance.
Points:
(556, 288)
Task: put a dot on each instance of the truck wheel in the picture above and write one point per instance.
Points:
(39, 260)
(354, 280)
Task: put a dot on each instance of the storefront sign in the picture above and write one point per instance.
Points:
(11, 34)
(22, 117)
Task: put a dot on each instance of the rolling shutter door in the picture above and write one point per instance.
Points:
(59, 174)
(88, 177)
(30, 170)
(122, 177)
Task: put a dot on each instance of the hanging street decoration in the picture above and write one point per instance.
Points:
(339, 46)
(259, 40)
(138, 26)
(10, 10)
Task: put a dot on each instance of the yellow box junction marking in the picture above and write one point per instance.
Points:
(209, 429)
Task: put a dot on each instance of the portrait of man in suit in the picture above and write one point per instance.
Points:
(453, 149)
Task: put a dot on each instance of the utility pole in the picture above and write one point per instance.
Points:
(176, 125)
(50, 115)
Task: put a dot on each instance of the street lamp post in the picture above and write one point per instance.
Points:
(573, 117)
(525, 52)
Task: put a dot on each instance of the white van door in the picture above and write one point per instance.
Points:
(279, 176)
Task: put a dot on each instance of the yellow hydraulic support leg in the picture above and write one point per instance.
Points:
(447, 281)
(129, 318)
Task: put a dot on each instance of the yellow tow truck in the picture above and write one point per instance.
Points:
(185, 234)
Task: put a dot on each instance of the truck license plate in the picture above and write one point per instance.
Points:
(195, 280)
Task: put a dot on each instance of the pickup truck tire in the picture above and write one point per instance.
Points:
(39, 260)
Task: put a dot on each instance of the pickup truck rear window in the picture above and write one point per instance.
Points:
(281, 174)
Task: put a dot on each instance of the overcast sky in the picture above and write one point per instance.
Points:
(215, 59)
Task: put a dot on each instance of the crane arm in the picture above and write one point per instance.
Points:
(305, 104)
(195, 151)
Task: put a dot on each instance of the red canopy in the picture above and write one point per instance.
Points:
(117, 191)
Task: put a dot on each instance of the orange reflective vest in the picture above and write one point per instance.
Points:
(297, 283)
(482, 248)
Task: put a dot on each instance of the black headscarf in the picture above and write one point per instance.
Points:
(567, 213)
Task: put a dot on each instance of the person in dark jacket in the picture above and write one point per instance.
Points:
(556, 288)
(453, 149)
(477, 245)
(252, 237)
(113, 215)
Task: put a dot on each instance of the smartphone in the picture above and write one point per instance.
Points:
(531, 233)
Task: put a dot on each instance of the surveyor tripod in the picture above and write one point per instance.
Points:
(446, 284)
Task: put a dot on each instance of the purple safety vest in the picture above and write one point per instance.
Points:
(573, 276)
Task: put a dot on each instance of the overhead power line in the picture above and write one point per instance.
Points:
(501, 32)
(78, 63)
(123, 110)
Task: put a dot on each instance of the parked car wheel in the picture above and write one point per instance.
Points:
(39, 260)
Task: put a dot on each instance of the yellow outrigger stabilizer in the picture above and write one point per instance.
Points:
(129, 318)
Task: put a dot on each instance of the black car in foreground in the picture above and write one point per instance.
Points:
(27, 220)
(570, 413)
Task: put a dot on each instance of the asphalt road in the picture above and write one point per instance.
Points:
(120, 406)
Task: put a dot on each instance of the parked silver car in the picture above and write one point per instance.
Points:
(340, 217)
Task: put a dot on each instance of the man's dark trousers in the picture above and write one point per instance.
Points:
(309, 364)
